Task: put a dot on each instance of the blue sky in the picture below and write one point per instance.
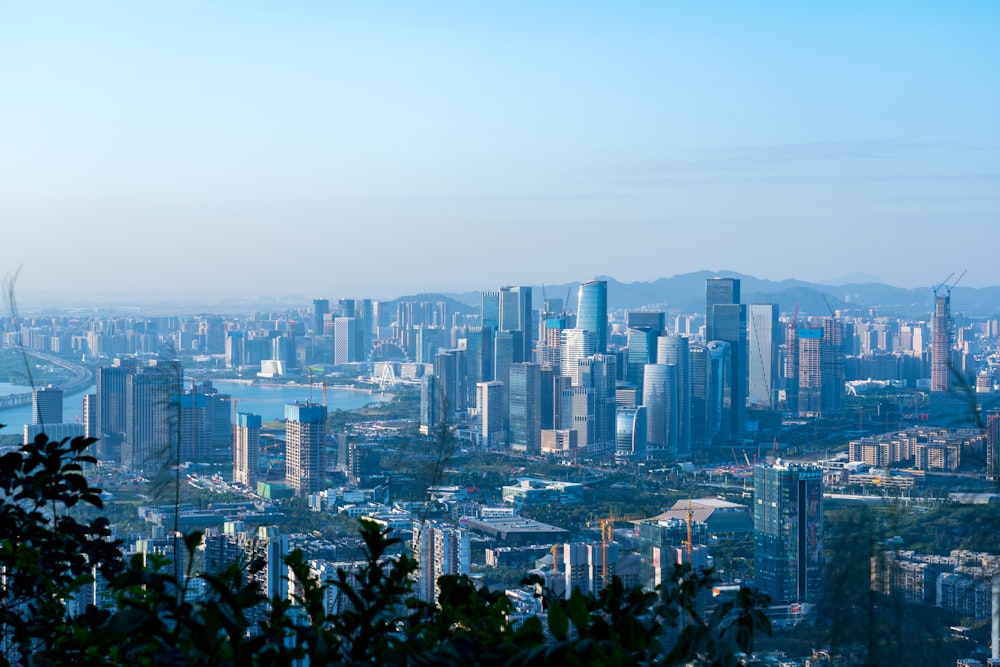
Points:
(346, 148)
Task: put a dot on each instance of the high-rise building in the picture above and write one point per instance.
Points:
(321, 308)
(676, 350)
(47, 406)
(718, 391)
(246, 450)
(431, 412)
(152, 418)
(449, 367)
(576, 344)
(90, 415)
(599, 374)
(699, 361)
(111, 382)
(659, 397)
(439, 550)
(726, 320)
(788, 532)
(763, 331)
(515, 315)
(491, 418)
(305, 448)
(630, 432)
(345, 339)
(942, 337)
(641, 351)
(525, 408)
(820, 358)
(993, 446)
(592, 312)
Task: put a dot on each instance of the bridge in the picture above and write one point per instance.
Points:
(82, 378)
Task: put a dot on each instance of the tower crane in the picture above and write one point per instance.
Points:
(608, 536)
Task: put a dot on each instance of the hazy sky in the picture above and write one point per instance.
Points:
(353, 148)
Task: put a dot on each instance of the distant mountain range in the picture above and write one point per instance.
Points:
(685, 293)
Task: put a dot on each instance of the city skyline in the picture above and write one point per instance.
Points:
(173, 149)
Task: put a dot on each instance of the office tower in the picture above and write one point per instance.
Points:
(659, 397)
(646, 319)
(592, 312)
(491, 418)
(698, 360)
(321, 308)
(489, 312)
(726, 320)
(676, 350)
(111, 383)
(718, 291)
(508, 348)
(576, 413)
(942, 336)
(479, 354)
(730, 326)
(152, 419)
(821, 368)
(305, 448)
(515, 315)
(641, 351)
(428, 342)
(345, 349)
(525, 408)
(90, 415)
(599, 373)
(576, 344)
(47, 406)
(792, 367)
(212, 335)
(246, 450)
(431, 411)
(630, 432)
(235, 354)
(439, 550)
(194, 436)
(449, 367)
(718, 392)
(553, 385)
(788, 532)
(763, 331)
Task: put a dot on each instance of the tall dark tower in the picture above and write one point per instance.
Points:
(726, 320)
(941, 337)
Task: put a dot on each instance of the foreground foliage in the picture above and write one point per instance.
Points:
(48, 558)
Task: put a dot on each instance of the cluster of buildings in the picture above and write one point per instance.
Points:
(963, 581)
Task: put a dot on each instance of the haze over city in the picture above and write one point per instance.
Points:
(174, 149)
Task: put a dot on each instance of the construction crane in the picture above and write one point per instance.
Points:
(944, 282)
(608, 536)
(689, 543)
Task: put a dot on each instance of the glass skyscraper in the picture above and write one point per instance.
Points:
(788, 532)
(592, 312)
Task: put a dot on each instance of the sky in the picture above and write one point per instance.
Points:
(334, 148)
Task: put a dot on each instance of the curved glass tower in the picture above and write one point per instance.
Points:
(592, 312)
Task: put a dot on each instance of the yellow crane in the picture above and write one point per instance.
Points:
(608, 536)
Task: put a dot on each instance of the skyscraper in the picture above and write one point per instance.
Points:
(726, 320)
(676, 350)
(515, 315)
(305, 447)
(576, 344)
(491, 418)
(942, 335)
(321, 308)
(659, 397)
(525, 408)
(152, 419)
(630, 432)
(345, 340)
(47, 406)
(763, 331)
(246, 450)
(641, 351)
(439, 550)
(788, 532)
(592, 312)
